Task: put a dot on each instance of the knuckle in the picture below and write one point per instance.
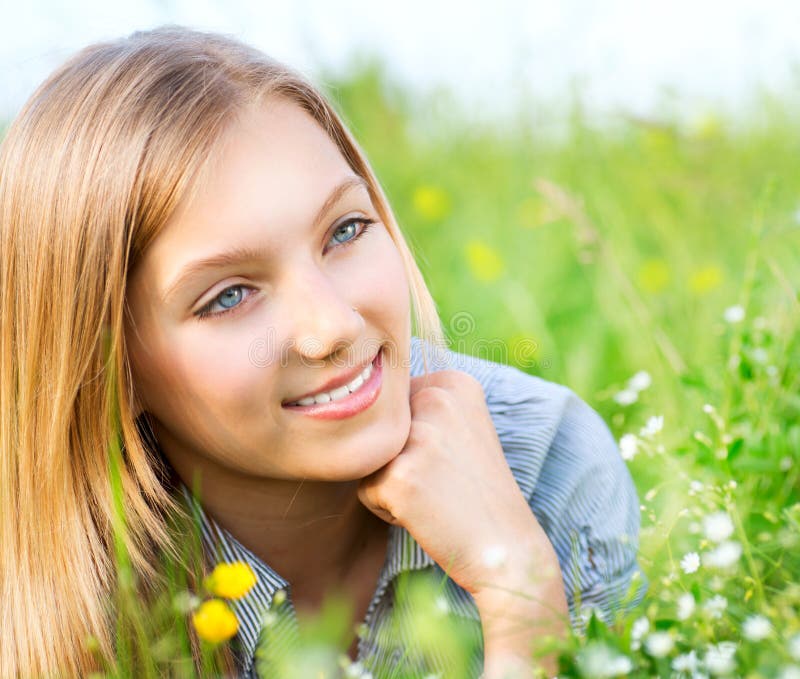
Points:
(423, 434)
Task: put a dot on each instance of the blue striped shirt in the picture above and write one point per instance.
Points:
(569, 468)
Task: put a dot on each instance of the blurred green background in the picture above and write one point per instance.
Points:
(619, 246)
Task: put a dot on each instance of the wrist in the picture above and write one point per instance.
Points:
(522, 611)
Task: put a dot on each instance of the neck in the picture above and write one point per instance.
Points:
(312, 533)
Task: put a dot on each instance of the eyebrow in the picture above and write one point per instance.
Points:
(237, 255)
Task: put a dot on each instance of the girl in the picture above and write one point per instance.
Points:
(276, 351)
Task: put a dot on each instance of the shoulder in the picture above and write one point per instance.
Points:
(570, 470)
(535, 419)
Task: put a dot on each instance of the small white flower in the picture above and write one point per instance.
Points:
(659, 644)
(718, 526)
(719, 657)
(789, 672)
(596, 659)
(760, 355)
(640, 381)
(640, 627)
(494, 556)
(356, 670)
(626, 397)
(586, 612)
(716, 605)
(686, 663)
(690, 562)
(724, 555)
(756, 628)
(441, 605)
(628, 446)
(685, 606)
(734, 314)
(653, 425)
(708, 408)
(793, 646)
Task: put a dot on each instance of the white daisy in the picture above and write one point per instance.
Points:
(628, 446)
(685, 606)
(596, 659)
(720, 658)
(718, 526)
(640, 627)
(640, 381)
(626, 397)
(756, 628)
(686, 663)
(653, 425)
(724, 555)
(734, 314)
(659, 644)
(690, 562)
(716, 605)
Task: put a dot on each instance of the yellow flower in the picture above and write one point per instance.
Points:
(484, 261)
(653, 275)
(231, 580)
(215, 621)
(431, 203)
(705, 279)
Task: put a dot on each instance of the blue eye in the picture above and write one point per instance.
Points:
(229, 300)
(349, 229)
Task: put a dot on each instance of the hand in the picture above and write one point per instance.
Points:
(452, 489)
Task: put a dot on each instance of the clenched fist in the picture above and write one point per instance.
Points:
(451, 488)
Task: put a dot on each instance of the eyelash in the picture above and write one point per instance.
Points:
(205, 312)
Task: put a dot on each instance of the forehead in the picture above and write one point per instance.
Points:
(268, 175)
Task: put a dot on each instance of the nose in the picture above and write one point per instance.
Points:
(321, 318)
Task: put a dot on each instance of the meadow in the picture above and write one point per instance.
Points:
(653, 266)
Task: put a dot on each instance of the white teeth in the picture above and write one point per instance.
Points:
(339, 392)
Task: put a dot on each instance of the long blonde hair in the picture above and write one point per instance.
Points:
(90, 171)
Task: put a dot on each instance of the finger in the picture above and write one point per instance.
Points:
(369, 497)
(458, 380)
(420, 382)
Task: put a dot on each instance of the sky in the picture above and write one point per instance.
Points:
(622, 54)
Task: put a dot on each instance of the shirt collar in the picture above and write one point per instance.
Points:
(403, 554)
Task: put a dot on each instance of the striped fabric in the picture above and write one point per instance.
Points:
(568, 466)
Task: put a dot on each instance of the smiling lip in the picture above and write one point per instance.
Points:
(334, 383)
(350, 405)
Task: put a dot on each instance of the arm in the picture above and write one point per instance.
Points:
(569, 467)
(524, 611)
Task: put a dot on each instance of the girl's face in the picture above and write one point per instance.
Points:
(218, 350)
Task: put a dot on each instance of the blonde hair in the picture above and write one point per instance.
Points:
(90, 171)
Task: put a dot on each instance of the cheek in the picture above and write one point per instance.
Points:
(196, 377)
(381, 286)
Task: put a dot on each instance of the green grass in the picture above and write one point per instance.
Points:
(616, 247)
